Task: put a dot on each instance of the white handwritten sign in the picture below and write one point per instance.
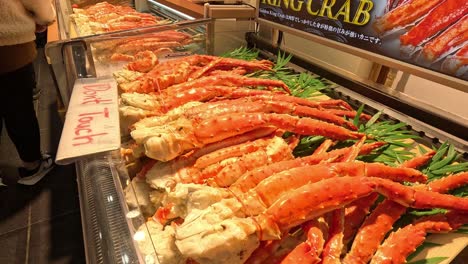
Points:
(92, 120)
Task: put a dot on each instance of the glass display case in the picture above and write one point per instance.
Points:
(117, 204)
(111, 209)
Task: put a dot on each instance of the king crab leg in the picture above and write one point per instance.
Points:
(382, 218)
(229, 80)
(252, 178)
(224, 126)
(226, 171)
(246, 105)
(175, 138)
(309, 251)
(349, 114)
(388, 212)
(401, 243)
(332, 249)
(355, 214)
(455, 36)
(219, 62)
(405, 14)
(439, 18)
(269, 189)
(185, 73)
(167, 175)
(315, 199)
(335, 243)
(143, 61)
(155, 105)
(326, 144)
(212, 232)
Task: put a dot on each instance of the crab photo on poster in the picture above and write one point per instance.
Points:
(429, 33)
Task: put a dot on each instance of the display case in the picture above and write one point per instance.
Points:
(109, 222)
(116, 203)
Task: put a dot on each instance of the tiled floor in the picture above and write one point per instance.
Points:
(41, 223)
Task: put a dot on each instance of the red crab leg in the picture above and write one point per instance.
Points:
(441, 17)
(368, 238)
(455, 36)
(223, 174)
(376, 169)
(129, 47)
(401, 243)
(309, 252)
(201, 94)
(235, 71)
(418, 161)
(228, 80)
(404, 15)
(335, 103)
(252, 178)
(245, 105)
(239, 105)
(355, 213)
(225, 126)
(323, 147)
(348, 114)
(332, 249)
(229, 152)
(280, 251)
(383, 217)
(334, 246)
(269, 189)
(121, 57)
(144, 61)
(231, 63)
(200, 72)
(315, 199)
(448, 183)
(354, 151)
(190, 158)
(252, 135)
(327, 104)
(170, 35)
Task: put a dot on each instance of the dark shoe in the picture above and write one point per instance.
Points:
(1, 180)
(31, 177)
(36, 93)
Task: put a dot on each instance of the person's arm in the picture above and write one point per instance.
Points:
(42, 10)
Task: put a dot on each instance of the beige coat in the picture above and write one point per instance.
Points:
(18, 19)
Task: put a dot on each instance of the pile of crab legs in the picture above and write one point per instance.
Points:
(106, 17)
(244, 195)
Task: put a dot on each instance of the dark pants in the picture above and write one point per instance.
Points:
(17, 111)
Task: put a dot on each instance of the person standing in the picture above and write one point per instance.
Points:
(19, 21)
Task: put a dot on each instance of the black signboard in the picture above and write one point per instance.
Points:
(432, 34)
